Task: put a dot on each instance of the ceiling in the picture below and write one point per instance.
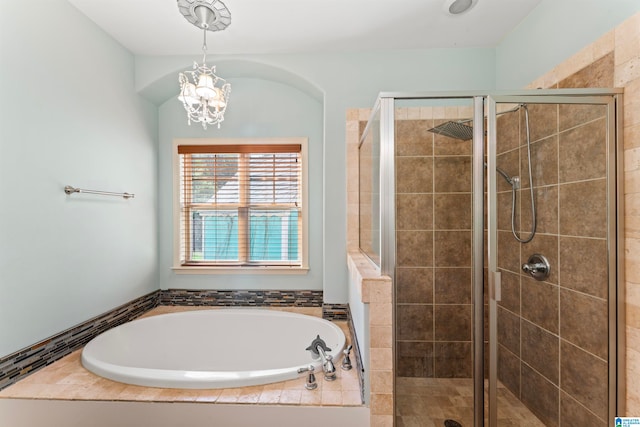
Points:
(156, 27)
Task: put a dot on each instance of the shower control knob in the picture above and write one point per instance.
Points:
(537, 267)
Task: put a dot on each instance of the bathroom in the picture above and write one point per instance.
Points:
(91, 255)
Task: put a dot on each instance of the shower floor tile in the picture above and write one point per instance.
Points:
(428, 402)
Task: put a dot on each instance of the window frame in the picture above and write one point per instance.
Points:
(178, 267)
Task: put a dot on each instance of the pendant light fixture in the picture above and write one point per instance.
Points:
(204, 94)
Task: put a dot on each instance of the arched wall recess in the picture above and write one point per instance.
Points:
(160, 89)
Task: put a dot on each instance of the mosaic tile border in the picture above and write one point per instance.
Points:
(242, 298)
(24, 362)
(336, 311)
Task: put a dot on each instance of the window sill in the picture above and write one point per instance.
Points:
(239, 270)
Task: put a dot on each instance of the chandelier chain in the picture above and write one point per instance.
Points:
(204, 45)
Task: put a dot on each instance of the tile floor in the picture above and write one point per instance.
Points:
(428, 402)
(66, 379)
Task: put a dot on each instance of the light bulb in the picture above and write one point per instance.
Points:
(205, 88)
(188, 94)
(218, 102)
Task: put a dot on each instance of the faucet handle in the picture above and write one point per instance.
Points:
(329, 368)
(346, 360)
(311, 383)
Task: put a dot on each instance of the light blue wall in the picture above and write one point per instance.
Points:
(551, 33)
(257, 108)
(69, 114)
(342, 81)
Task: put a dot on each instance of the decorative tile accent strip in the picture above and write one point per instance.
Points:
(28, 360)
(335, 311)
(241, 298)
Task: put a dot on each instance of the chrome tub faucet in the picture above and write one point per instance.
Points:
(318, 349)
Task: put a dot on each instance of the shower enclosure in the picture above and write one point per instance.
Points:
(497, 216)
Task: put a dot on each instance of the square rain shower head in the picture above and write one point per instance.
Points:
(457, 130)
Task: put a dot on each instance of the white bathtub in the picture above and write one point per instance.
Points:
(218, 348)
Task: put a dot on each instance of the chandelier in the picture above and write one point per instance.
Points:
(204, 94)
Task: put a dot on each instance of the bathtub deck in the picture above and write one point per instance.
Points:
(66, 379)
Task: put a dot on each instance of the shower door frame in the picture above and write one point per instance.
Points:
(484, 106)
(614, 232)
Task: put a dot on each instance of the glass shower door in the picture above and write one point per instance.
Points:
(433, 223)
(551, 186)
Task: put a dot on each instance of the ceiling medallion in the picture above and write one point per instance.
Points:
(203, 94)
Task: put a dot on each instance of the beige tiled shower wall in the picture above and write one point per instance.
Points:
(618, 51)
(552, 334)
(433, 289)
(433, 244)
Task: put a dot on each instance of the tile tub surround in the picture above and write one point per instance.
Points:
(68, 380)
(24, 362)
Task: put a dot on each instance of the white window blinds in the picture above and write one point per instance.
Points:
(240, 205)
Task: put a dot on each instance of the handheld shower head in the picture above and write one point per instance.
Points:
(513, 181)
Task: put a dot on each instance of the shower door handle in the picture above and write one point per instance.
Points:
(495, 287)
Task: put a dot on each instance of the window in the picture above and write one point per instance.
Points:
(240, 204)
